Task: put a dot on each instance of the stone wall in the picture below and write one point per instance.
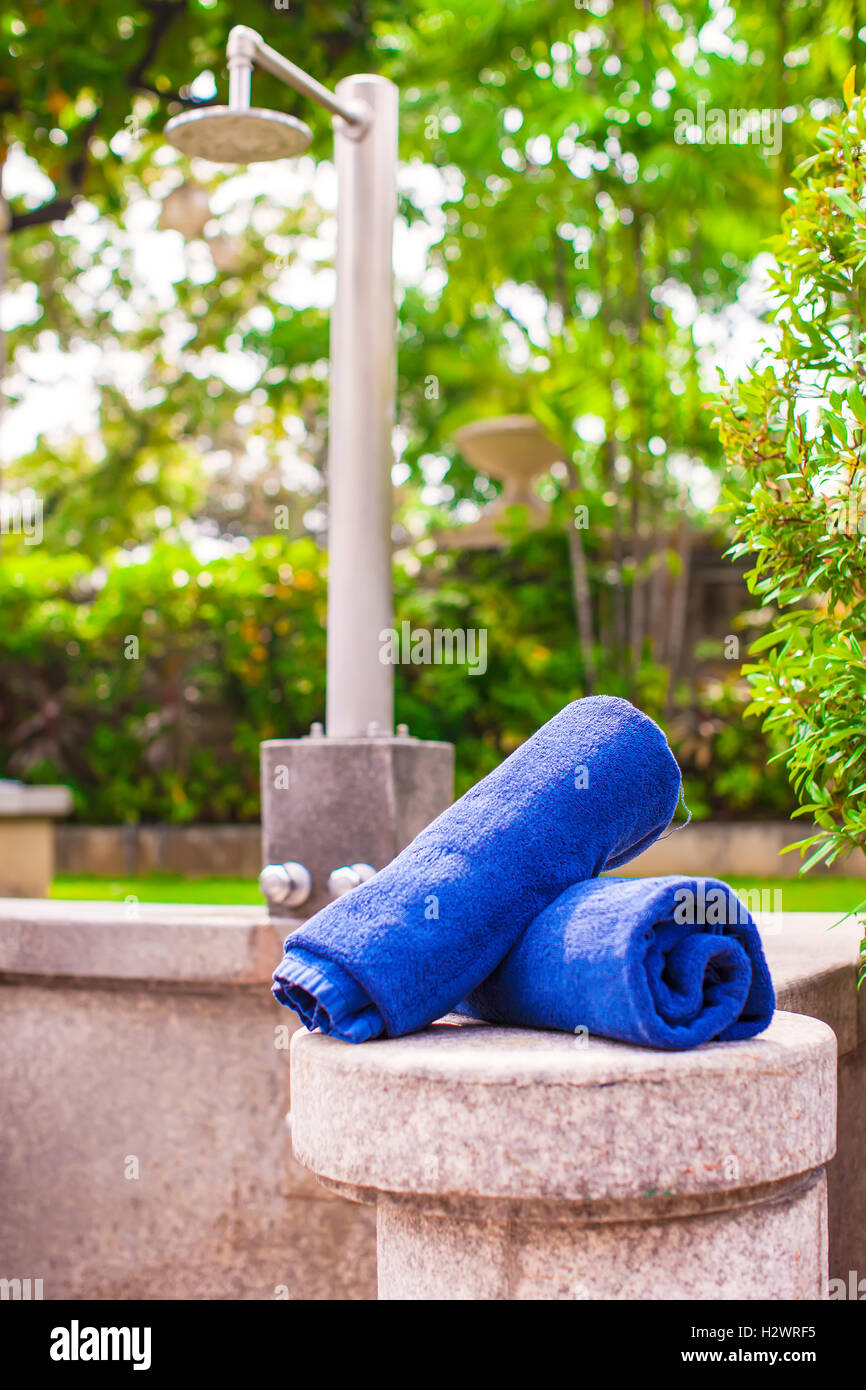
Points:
(144, 1149)
(719, 848)
(195, 851)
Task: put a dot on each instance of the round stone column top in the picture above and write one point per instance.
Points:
(463, 1108)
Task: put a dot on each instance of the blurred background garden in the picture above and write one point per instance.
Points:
(572, 246)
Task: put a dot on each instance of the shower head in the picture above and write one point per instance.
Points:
(245, 136)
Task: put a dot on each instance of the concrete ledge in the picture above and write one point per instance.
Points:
(813, 959)
(145, 1082)
(23, 802)
(154, 943)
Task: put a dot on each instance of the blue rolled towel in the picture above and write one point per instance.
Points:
(591, 789)
(668, 962)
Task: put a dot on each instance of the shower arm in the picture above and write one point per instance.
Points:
(246, 49)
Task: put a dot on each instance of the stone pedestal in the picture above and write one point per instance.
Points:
(27, 817)
(327, 802)
(512, 1164)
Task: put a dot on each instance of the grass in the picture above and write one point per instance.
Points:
(809, 894)
(797, 894)
(161, 888)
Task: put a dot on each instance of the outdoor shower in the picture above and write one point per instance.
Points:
(352, 796)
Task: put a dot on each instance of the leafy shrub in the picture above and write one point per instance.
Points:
(148, 687)
(794, 434)
(149, 693)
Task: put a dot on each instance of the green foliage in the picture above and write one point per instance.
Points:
(567, 225)
(541, 152)
(793, 434)
(149, 694)
(71, 76)
(148, 687)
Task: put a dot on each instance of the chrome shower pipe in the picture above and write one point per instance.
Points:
(246, 49)
(363, 370)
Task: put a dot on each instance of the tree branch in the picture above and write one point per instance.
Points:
(36, 217)
(164, 13)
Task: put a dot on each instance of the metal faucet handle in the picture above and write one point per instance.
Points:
(347, 877)
(289, 884)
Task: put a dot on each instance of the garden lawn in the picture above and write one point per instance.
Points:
(818, 894)
(161, 888)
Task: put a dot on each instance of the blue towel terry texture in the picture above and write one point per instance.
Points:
(667, 962)
(498, 903)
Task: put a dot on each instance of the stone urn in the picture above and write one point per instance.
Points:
(515, 449)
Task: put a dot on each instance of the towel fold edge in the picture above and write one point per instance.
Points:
(303, 985)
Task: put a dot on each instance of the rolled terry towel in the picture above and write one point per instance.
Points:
(669, 962)
(590, 790)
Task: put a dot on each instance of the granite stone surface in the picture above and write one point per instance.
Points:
(516, 1164)
(330, 802)
(773, 1250)
(144, 1150)
(134, 1031)
(503, 1112)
